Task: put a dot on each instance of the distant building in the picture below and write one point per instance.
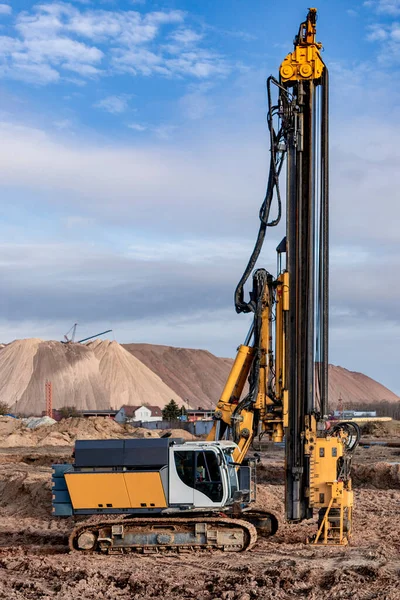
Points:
(353, 414)
(138, 413)
(57, 415)
(200, 414)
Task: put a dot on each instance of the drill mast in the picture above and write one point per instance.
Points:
(285, 357)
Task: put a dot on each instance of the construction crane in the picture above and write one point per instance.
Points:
(71, 340)
(91, 337)
(199, 495)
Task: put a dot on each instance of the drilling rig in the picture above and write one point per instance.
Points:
(171, 494)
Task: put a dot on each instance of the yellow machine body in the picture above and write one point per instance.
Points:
(91, 490)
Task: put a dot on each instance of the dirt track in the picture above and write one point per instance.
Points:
(35, 563)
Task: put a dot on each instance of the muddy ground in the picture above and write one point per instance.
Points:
(35, 562)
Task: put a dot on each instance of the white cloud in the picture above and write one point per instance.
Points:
(5, 9)
(38, 74)
(82, 69)
(193, 251)
(386, 7)
(114, 104)
(164, 131)
(63, 124)
(197, 104)
(388, 36)
(138, 126)
(377, 33)
(92, 41)
(186, 36)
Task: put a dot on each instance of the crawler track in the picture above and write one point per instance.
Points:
(162, 535)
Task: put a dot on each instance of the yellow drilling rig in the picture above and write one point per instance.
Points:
(172, 494)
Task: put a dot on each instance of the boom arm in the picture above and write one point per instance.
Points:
(288, 379)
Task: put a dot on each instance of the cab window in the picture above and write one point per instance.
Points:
(208, 475)
(200, 470)
(184, 462)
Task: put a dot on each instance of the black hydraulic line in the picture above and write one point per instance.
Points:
(276, 163)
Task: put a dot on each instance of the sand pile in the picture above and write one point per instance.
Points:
(196, 375)
(355, 388)
(127, 380)
(177, 433)
(200, 376)
(95, 376)
(15, 434)
(25, 365)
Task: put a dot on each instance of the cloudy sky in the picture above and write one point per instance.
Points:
(134, 156)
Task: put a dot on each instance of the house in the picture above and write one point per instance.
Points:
(138, 413)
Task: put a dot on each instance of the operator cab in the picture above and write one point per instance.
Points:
(203, 474)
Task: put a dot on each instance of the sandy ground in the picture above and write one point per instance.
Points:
(35, 562)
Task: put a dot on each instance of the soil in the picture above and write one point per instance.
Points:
(35, 561)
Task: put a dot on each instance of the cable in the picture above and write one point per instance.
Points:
(278, 152)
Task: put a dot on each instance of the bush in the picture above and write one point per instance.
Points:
(4, 408)
(68, 411)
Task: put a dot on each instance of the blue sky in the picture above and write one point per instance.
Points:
(133, 160)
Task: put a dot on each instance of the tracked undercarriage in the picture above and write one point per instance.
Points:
(153, 535)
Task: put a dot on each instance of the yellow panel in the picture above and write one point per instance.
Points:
(145, 488)
(88, 490)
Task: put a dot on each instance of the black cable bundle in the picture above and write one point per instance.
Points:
(278, 152)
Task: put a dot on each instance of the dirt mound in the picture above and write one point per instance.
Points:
(380, 475)
(195, 375)
(178, 433)
(376, 429)
(127, 380)
(142, 432)
(95, 376)
(384, 476)
(25, 365)
(354, 387)
(15, 434)
(8, 425)
(104, 374)
(25, 491)
(199, 376)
